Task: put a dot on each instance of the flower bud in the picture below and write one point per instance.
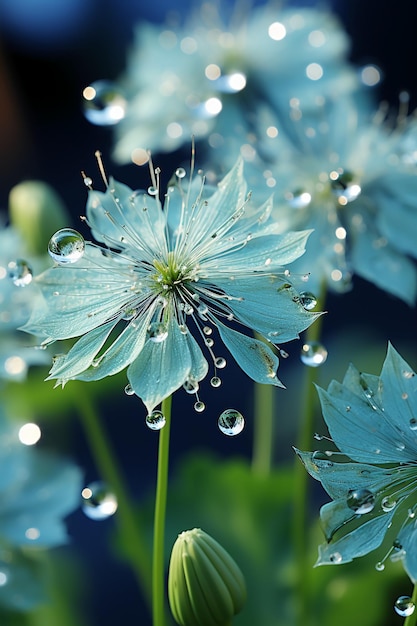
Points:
(36, 211)
(205, 585)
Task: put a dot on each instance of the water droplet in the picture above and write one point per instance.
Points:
(104, 103)
(336, 557)
(155, 420)
(199, 406)
(380, 566)
(220, 362)
(183, 329)
(129, 390)
(404, 606)
(209, 342)
(191, 385)
(153, 191)
(207, 330)
(408, 374)
(299, 199)
(413, 423)
(98, 501)
(129, 313)
(157, 332)
(180, 172)
(308, 300)
(202, 310)
(66, 246)
(4, 576)
(361, 501)
(215, 381)
(88, 181)
(20, 272)
(313, 354)
(388, 503)
(188, 309)
(231, 422)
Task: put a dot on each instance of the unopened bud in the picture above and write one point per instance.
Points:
(205, 585)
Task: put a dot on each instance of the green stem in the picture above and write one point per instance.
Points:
(411, 620)
(158, 562)
(263, 429)
(106, 463)
(301, 477)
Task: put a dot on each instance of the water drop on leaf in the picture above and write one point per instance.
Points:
(361, 501)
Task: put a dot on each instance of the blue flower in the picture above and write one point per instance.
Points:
(196, 264)
(17, 296)
(37, 491)
(207, 77)
(352, 178)
(372, 481)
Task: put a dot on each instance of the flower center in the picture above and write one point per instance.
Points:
(170, 274)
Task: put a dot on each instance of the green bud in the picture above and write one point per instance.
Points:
(205, 585)
(36, 211)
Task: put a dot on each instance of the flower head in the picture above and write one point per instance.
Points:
(205, 78)
(373, 422)
(164, 274)
(352, 178)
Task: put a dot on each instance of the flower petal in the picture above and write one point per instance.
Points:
(254, 357)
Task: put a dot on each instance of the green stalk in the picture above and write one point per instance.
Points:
(411, 620)
(106, 463)
(158, 560)
(301, 478)
(263, 429)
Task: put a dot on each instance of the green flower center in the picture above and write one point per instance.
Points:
(171, 274)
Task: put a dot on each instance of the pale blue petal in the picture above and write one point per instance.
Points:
(268, 305)
(407, 537)
(199, 366)
(161, 368)
(254, 357)
(360, 428)
(399, 394)
(358, 542)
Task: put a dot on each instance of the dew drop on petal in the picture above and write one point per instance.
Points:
(413, 423)
(20, 272)
(66, 246)
(180, 172)
(388, 503)
(220, 362)
(155, 420)
(231, 422)
(199, 406)
(157, 332)
(313, 354)
(98, 502)
(103, 103)
(404, 606)
(308, 300)
(336, 557)
(215, 381)
(129, 390)
(361, 501)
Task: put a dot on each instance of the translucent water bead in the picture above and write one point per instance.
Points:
(313, 354)
(98, 502)
(103, 103)
(66, 246)
(20, 272)
(231, 422)
(155, 420)
(404, 606)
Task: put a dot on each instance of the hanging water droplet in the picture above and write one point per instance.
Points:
(336, 557)
(129, 390)
(231, 422)
(298, 199)
(361, 501)
(380, 566)
(98, 501)
(188, 309)
(191, 385)
(404, 606)
(153, 191)
(199, 406)
(155, 420)
(180, 172)
(207, 330)
(313, 354)
(308, 300)
(220, 362)
(66, 246)
(215, 381)
(388, 503)
(157, 332)
(88, 182)
(413, 423)
(20, 272)
(202, 310)
(104, 103)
